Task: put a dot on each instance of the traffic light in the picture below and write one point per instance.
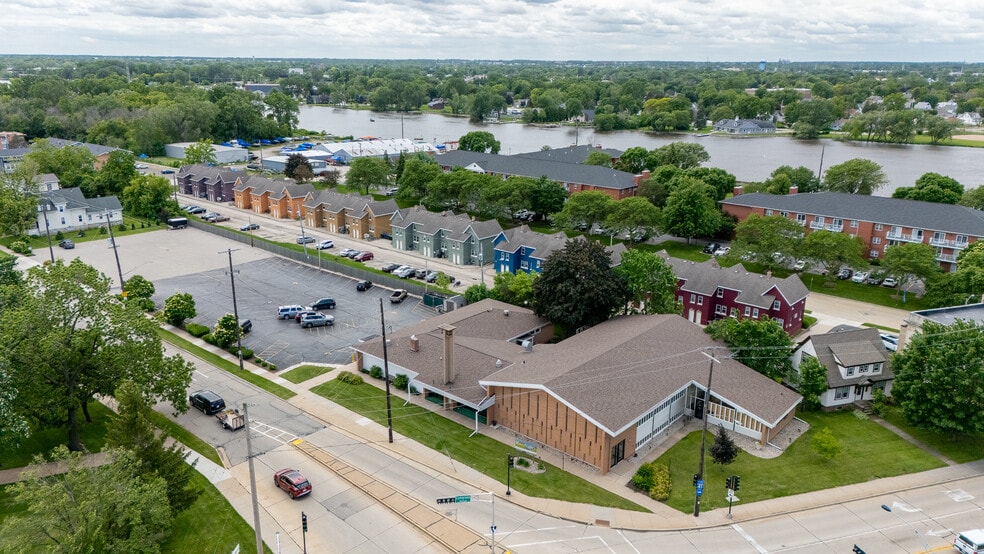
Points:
(736, 481)
(695, 479)
(727, 482)
(857, 550)
(512, 461)
(304, 522)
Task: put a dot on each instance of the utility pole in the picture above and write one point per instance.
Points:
(703, 436)
(386, 373)
(112, 242)
(235, 311)
(252, 482)
(47, 230)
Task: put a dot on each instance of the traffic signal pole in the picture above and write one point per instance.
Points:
(703, 435)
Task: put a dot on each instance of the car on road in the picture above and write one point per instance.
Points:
(710, 248)
(292, 482)
(890, 282)
(246, 325)
(875, 278)
(208, 215)
(250, 227)
(317, 319)
(66, 244)
(385, 236)
(363, 285)
(363, 256)
(325, 244)
(347, 252)
(207, 401)
(305, 239)
(217, 218)
(324, 304)
(420, 273)
(167, 171)
(290, 311)
(398, 295)
(891, 342)
(195, 210)
(389, 268)
(140, 166)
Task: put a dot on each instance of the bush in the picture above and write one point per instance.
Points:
(826, 445)
(19, 247)
(643, 478)
(401, 381)
(376, 372)
(196, 330)
(146, 304)
(122, 227)
(81, 233)
(247, 353)
(59, 236)
(349, 378)
(522, 462)
(654, 480)
(273, 367)
(209, 338)
(134, 225)
(102, 231)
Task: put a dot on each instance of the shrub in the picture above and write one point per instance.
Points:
(363, 370)
(349, 378)
(401, 381)
(826, 445)
(196, 330)
(860, 415)
(122, 227)
(103, 231)
(376, 372)
(643, 478)
(247, 353)
(81, 233)
(654, 480)
(209, 338)
(59, 236)
(522, 462)
(273, 367)
(134, 225)
(262, 363)
(19, 247)
(146, 304)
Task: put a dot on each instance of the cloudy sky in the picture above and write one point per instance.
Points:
(685, 30)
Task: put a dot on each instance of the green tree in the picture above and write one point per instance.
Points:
(514, 288)
(973, 198)
(724, 450)
(856, 176)
(109, 508)
(201, 152)
(131, 429)
(831, 250)
(73, 165)
(761, 344)
(367, 173)
(545, 196)
(939, 129)
(150, 197)
(939, 378)
(633, 160)
(226, 330)
(417, 174)
(683, 155)
(690, 211)
(767, 240)
(479, 141)
(578, 286)
(910, 262)
(478, 292)
(139, 287)
(13, 426)
(298, 168)
(932, 187)
(283, 108)
(597, 157)
(116, 173)
(801, 177)
(19, 192)
(583, 210)
(825, 444)
(650, 281)
(812, 382)
(68, 342)
(179, 308)
(633, 216)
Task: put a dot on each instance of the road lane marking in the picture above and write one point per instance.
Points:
(749, 538)
(556, 541)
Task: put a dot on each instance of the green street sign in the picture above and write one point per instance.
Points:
(465, 498)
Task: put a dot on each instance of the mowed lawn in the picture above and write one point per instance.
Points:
(479, 452)
(868, 451)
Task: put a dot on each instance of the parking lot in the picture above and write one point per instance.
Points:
(196, 262)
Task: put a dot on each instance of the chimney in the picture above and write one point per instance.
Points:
(736, 191)
(414, 343)
(768, 273)
(793, 189)
(505, 313)
(448, 357)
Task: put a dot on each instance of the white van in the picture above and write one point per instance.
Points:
(970, 542)
(177, 223)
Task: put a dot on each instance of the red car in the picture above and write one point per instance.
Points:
(292, 482)
(363, 257)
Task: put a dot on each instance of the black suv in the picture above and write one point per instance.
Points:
(324, 304)
(206, 401)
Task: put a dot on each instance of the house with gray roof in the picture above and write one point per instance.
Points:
(522, 249)
(599, 396)
(361, 217)
(856, 361)
(206, 181)
(879, 221)
(571, 154)
(738, 126)
(708, 291)
(574, 177)
(68, 210)
(460, 239)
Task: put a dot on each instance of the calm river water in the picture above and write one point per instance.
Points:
(748, 159)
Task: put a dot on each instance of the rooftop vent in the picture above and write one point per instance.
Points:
(505, 313)
(414, 343)
(527, 345)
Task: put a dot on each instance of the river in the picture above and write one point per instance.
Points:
(748, 159)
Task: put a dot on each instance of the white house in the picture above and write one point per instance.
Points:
(68, 210)
(857, 364)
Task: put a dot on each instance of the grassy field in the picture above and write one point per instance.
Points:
(224, 364)
(303, 373)
(964, 448)
(479, 452)
(41, 242)
(43, 441)
(868, 451)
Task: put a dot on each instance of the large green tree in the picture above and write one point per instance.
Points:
(416, 175)
(73, 165)
(584, 209)
(479, 141)
(367, 173)
(578, 286)
(69, 341)
(811, 382)
(939, 378)
(683, 155)
(857, 176)
(831, 250)
(298, 168)
(634, 217)
(761, 344)
(150, 197)
(19, 198)
(910, 262)
(690, 211)
(545, 196)
(932, 187)
(651, 282)
(116, 173)
(284, 109)
(201, 152)
(767, 240)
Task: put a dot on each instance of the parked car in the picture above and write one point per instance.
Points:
(250, 227)
(299, 315)
(385, 236)
(391, 191)
(432, 276)
(66, 244)
(722, 251)
(874, 278)
(208, 215)
(347, 252)
(324, 304)
(711, 248)
(800, 265)
(290, 310)
(325, 244)
(305, 239)
(420, 273)
(246, 325)
(207, 401)
(219, 218)
(890, 282)
(167, 171)
(363, 285)
(891, 342)
(292, 482)
(405, 273)
(845, 273)
(389, 268)
(363, 256)
(140, 166)
(399, 295)
(317, 319)
(860, 277)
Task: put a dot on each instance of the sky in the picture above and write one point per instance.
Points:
(620, 30)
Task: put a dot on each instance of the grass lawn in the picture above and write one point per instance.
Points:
(868, 451)
(224, 364)
(303, 373)
(44, 440)
(964, 448)
(185, 437)
(479, 452)
(41, 242)
(873, 294)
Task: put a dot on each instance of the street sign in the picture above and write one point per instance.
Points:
(465, 498)
(700, 487)
(454, 499)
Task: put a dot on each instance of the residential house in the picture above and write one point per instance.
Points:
(709, 292)
(574, 177)
(879, 221)
(738, 126)
(68, 210)
(11, 157)
(458, 238)
(856, 361)
(262, 88)
(572, 154)
(599, 396)
(12, 139)
(522, 249)
(99, 152)
(205, 181)
(280, 199)
(361, 217)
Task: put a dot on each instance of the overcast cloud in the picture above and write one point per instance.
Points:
(697, 30)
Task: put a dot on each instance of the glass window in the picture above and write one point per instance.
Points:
(768, 212)
(748, 311)
(700, 300)
(755, 313)
(854, 223)
(720, 292)
(850, 371)
(775, 305)
(721, 309)
(841, 393)
(876, 240)
(878, 226)
(873, 254)
(734, 312)
(693, 298)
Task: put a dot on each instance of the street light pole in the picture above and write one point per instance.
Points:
(921, 539)
(703, 434)
(386, 373)
(252, 482)
(112, 241)
(235, 312)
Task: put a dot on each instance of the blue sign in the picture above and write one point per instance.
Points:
(700, 487)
